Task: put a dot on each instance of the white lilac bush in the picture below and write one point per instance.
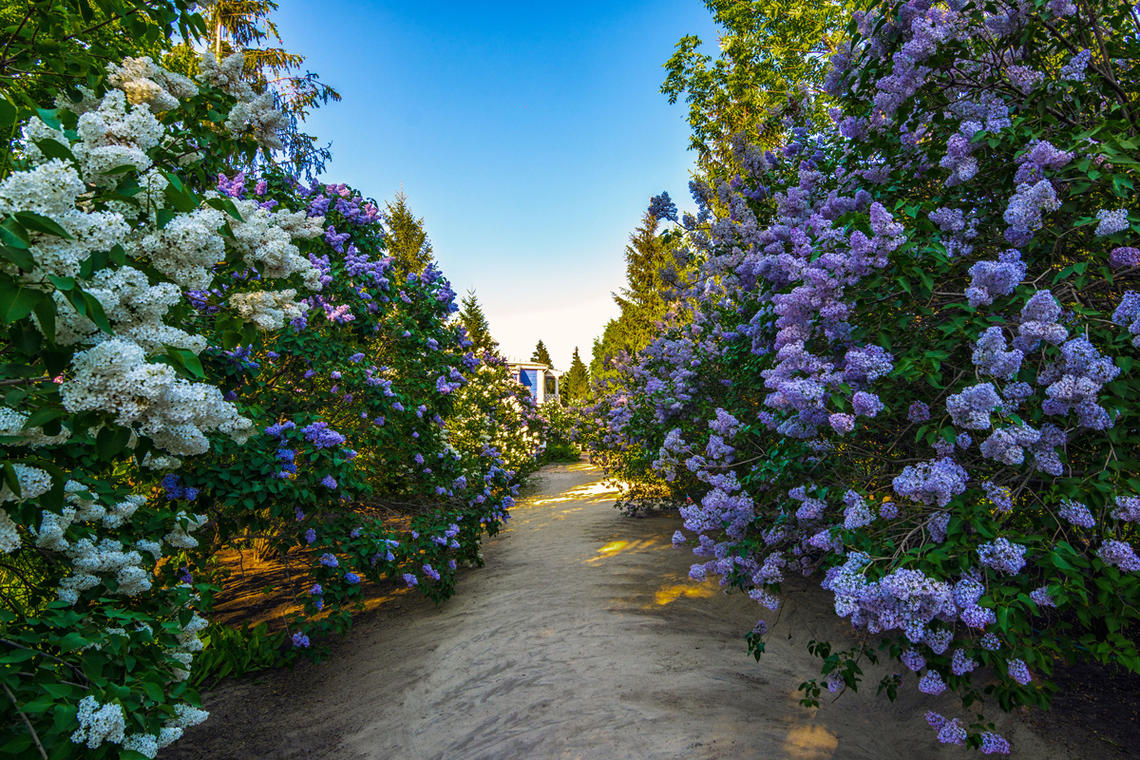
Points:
(909, 366)
(190, 363)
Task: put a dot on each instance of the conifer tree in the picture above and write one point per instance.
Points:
(475, 322)
(652, 269)
(541, 355)
(577, 380)
(407, 240)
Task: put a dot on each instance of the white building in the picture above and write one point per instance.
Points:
(540, 379)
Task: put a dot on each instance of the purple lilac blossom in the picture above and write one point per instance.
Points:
(1018, 671)
(989, 279)
(994, 744)
(960, 664)
(1041, 597)
(1127, 509)
(935, 482)
(1127, 314)
(1119, 554)
(1124, 257)
(1111, 221)
(932, 683)
(918, 412)
(1003, 556)
(972, 407)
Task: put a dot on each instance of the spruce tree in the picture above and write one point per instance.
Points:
(577, 379)
(407, 241)
(652, 270)
(541, 355)
(475, 322)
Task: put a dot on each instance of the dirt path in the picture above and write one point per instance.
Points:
(581, 638)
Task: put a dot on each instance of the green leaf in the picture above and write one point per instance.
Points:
(17, 302)
(153, 690)
(227, 205)
(42, 416)
(20, 257)
(43, 224)
(50, 117)
(110, 441)
(8, 114)
(54, 149)
(13, 233)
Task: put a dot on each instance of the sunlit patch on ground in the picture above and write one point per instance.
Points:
(669, 593)
(809, 743)
(614, 548)
(591, 492)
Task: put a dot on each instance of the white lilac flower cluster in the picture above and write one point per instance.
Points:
(253, 112)
(114, 375)
(99, 723)
(269, 310)
(97, 554)
(144, 82)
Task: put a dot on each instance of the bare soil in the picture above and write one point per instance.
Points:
(583, 637)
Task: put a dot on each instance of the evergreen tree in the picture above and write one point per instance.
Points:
(475, 322)
(407, 240)
(577, 379)
(541, 355)
(653, 269)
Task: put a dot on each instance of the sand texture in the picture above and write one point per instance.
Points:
(582, 637)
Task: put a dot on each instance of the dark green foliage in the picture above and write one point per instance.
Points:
(475, 322)
(654, 267)
(577, 379)
(772, 57)
(407, 241)
(542, 355)
(49, 47)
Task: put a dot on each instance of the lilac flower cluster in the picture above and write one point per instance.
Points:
(1002, 555)
(322, 436)
(990, 279)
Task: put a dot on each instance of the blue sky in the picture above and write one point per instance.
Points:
(528, 135)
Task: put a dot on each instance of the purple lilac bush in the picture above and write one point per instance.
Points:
(907, 366)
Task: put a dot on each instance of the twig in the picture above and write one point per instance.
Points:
(28, 723)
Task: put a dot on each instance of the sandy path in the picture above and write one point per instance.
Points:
(581, 638)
